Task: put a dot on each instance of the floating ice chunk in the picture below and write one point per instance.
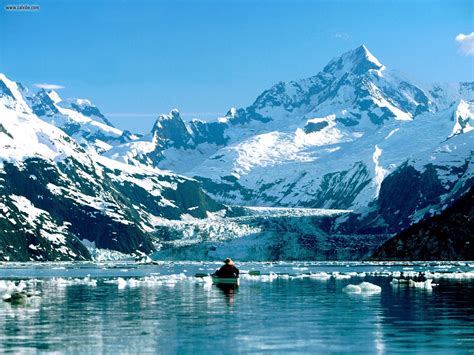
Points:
(452, 275)
(9, 291)
(364, 287)
(156, 280)
(422, 284)
(263, 278)
(458, 275)
(352, 289)
(59, 281)
(399, 281)
(269, 278)
(320, 275)
(133, 282)
(9, 287)
(205, 280)
(368, 287)
(33, 282)
(122, 283)
(339, 276)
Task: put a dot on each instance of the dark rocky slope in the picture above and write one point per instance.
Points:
(47, 209)
(447, 236)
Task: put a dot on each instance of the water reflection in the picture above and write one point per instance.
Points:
(281, 315)
(228, 291)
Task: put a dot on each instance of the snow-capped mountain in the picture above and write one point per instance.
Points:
(79, 118)
(167, 141)
(340, 139)
(381, 151)
(54, 193)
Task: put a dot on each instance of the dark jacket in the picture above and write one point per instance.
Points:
(228, 271)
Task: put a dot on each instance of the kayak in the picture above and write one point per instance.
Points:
(226, 281)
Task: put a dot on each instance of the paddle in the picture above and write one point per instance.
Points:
(200, 274)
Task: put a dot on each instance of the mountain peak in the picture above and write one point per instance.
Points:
(54, 96)
(363, 51)
(11, 95)
(85, 107)
(77, 102)
(166, 119)
(357, 61)
(170, 130)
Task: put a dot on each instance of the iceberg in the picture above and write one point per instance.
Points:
(364, 287)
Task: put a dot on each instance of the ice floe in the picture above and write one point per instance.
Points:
(7, 288)
(11, 291)
(60, 281)
(154, 280)
(427, 284)
(262, 278)
(364, 287)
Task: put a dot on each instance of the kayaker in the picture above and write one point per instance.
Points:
(420, 277)
(228, 270)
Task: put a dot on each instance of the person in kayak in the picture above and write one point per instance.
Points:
(228, 270)
(420, 278)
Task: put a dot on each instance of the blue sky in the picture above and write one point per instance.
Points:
(138, 58)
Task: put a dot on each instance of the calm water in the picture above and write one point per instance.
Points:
(163, 309)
